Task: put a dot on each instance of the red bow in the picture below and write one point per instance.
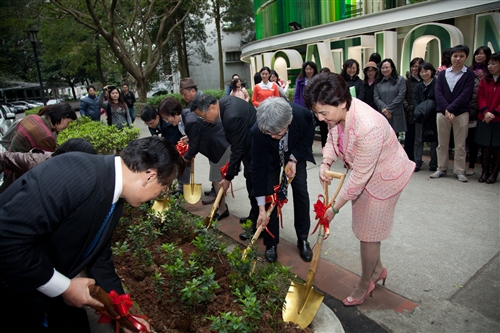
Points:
(223, 171)
(274, 198)
(123, 304)
(181, 147)
(320, 209)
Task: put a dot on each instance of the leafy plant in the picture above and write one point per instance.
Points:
(250, 305)
(157, 280)
(200, 289)
(105, 139)
(120, 248)
(229, 322)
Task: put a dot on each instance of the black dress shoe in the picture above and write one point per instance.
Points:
(304, 250)
(211, 192)
(224, 214)
(208, 200)
(244, 219)
(271, 254)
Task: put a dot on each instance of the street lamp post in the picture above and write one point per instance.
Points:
(32, 36)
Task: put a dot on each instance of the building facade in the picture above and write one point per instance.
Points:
(329, 32)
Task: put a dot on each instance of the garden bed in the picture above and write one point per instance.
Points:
(196, 285)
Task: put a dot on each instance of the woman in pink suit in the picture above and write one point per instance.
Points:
(366, 143)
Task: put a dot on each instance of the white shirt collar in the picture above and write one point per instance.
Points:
(118, 179)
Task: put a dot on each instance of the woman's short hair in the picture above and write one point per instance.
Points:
(58, 112)
(375, 57)
(170, 107)
(415, 60)
(256, 78)
(394, 73)
(148, 113)
(154, 152)
(446, 57)
(427, 66)
(273, 72)
(496, 58)
(328, 89)
(348, 63)
(76, 144)
(273, 115)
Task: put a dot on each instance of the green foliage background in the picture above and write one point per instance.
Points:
(105, 139)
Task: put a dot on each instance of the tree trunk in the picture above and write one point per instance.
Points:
(216, 4)
(142, 90)
(99, 65)
(182, 66)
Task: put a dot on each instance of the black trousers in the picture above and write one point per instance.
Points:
(254, 210)
(301, 205)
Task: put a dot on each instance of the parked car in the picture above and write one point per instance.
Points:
(23, 103)
(16, 108)
(34, 103)
(7, 117)
(54, 101)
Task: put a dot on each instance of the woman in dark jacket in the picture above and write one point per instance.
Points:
(371, 72)
(350, 72)
(424, 101)
(412, 80)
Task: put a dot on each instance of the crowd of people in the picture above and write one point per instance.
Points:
(360, 120)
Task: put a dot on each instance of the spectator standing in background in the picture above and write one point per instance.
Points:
(89, 106)
(228, 86)
(389, 95)
(238, 91)
(129, 99)
(412, 79)
(265, 88)
(116, 108)
(488, 126)
(350, 72)
(371, 72)
(454, 88)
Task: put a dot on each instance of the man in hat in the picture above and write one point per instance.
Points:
(189, 90)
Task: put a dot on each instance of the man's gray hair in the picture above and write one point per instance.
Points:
(203, 103)
(273, 115)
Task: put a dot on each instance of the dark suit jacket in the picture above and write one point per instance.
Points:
(265, 150)
(167, 130)
(237, 118)
(50, 216)
(206, 138)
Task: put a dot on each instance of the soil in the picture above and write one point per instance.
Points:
(170, 314)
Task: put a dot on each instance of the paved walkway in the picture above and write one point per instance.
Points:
(442, 256)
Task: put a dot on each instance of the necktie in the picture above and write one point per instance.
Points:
(283, 190)
(99, 233)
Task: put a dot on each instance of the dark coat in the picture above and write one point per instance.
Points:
(206, 138)
(69, 198)
(265, 150)
(458, 101)
(167, 130)
(424, 101)
(357, 84)
(237, 118)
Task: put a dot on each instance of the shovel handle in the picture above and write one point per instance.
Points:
(337, 175)
(109, 308)
(191, 176)
(258, 232)
(215, 206)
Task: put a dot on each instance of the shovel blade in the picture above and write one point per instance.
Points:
(160, 205)
(192, 193)
(294, 300)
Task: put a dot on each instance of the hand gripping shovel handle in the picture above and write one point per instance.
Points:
(259, 230)
(109, 308)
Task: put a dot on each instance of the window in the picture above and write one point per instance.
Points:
(233, 56)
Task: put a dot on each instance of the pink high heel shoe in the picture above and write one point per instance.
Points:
(349, 301)
(382, 276)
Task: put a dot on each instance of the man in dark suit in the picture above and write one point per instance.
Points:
(57, 220)
(287, 129)
(237, 117)
(208, 139)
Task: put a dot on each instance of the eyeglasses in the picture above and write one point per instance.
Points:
(281, 133)
(203, 116)
(414, 67)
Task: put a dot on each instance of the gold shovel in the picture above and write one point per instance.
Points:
(192, 191)
(207, 222)
(302, 301)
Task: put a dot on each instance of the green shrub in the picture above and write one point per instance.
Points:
(156, 100)
(105, 139)
(33, 111)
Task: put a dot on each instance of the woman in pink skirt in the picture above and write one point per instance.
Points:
(365, 142)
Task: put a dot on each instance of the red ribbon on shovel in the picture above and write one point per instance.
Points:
(123, 304)
(182, 148)
(274, 199)
(320, 209)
